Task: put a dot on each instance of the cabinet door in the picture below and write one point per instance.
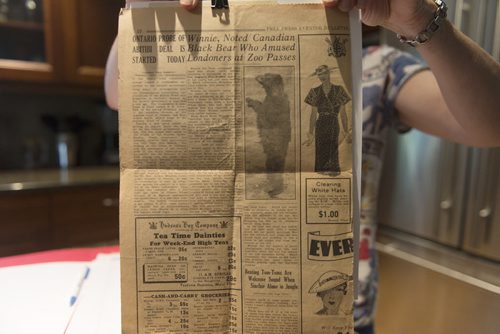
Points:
(90, 27)
(422, 187)
(24, 222)
(85, 216)
(482, 229)
(28, 40)
(479, 19)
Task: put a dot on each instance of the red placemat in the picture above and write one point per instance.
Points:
(59, 255)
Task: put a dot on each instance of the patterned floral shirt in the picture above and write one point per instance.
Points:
(385, 71)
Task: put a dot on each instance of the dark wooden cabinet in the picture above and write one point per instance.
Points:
(69, 44)
(58, 218)
(89, 29)
(30, 49)
(84, 215)
(24, 222)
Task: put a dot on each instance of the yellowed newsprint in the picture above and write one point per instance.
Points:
(237, 191)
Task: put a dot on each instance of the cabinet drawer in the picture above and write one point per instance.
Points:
(24, 223)
(82, 216)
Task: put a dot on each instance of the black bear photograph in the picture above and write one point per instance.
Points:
(268, 132)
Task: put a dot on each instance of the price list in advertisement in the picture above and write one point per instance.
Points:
(189, 278)
(328, 200)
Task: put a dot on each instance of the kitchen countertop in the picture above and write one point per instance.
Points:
(426, 287)
(55, 178)
(446, 260)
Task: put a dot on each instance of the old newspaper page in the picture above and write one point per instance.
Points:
(237, 189)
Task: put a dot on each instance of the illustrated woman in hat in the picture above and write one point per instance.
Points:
(331, 287)
(327, 102)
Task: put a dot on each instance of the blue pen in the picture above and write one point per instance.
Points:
(74, 296)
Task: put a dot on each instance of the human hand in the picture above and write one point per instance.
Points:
(405, 17)
(188, 4)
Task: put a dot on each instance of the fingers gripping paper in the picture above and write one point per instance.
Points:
(237, 189)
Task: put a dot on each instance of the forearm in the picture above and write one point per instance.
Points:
(464, 102)
(469, 80)
(111, 77)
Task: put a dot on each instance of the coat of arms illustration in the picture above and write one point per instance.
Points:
(337, 47)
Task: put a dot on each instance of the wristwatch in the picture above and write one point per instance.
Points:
(430, 29)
